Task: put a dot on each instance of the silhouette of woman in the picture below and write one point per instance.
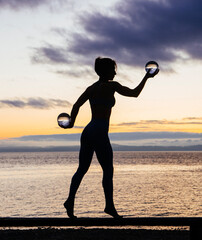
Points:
(95, 135)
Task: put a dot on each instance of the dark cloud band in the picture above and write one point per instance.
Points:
(20, 4)
(185, 121)
(145, 30)
(38, 103)
(50, 54)
(139, 30)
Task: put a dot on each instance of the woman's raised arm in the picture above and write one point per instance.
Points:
(125, 91)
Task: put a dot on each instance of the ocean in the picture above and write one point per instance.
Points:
(146, 184)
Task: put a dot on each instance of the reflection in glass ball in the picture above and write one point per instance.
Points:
(152, 67)
(63, 120)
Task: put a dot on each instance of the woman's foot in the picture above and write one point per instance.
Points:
(112, 212)
(69, 205)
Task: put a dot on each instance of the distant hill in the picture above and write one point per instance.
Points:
(116, 147)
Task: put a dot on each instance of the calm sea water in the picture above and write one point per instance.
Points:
(146, 184)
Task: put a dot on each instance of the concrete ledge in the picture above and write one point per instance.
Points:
(195, 223)
(147, 221)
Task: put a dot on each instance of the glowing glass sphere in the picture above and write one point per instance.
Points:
(63, 120)
(152, 67)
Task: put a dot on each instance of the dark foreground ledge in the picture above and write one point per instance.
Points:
(194, 223)
(86, 222)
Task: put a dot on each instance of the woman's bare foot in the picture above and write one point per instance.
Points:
(69, 205)
(112, 212)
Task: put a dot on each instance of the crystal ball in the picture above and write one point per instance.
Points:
(152, 67)
(64, 120)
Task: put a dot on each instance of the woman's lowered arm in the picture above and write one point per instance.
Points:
(75, 109)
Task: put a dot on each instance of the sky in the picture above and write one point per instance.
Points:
(47, 53)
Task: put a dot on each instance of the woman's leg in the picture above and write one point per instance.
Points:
(85, 158)
(104, 154)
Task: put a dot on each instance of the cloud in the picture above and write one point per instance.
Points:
(137, 31)
(184, 121)
(193, 118)
(49, 54)
(38, 103)
(145, 30)
(21, 4)
(76, 71)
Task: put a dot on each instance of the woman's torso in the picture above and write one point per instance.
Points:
(102, 99)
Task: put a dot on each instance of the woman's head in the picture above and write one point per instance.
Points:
(105, 67)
